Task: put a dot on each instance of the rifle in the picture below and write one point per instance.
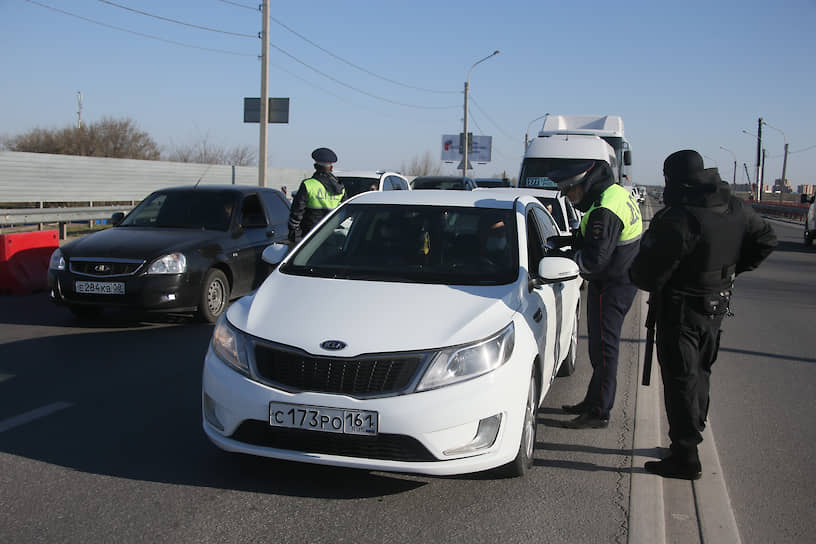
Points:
(651, 317)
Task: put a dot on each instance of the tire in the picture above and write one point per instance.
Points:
(524, 458)
(85, 312)
(568, 364)
(215, 293)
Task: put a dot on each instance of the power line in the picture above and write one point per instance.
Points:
(239, 5)
(489, 118)
(146, 14)
(143, 35)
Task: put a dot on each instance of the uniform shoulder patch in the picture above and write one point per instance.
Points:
(596, 230)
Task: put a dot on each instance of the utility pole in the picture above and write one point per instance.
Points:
(734, 180)
(760, 180)
(262, 151)
(465, 137)
(79, 109)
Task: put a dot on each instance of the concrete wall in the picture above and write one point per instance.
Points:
(40, 177)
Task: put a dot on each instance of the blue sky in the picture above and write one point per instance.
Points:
(682, 75)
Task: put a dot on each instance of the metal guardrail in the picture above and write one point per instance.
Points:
(33, 216)
(793, 212)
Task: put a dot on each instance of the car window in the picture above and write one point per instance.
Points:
(387, 185)
(252, 213)
(535, 172)
(554, 207)
(193, 209)
(422, 244)
(535, 244)
(398, 184)
(355, 185)
(276, 206)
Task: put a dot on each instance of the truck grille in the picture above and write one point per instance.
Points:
(369, 376)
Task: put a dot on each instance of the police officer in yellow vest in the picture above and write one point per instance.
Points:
(317, 195)
(605, 246)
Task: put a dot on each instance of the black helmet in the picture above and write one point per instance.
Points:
(324, 156)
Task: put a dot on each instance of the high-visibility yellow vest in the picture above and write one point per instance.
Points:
(319, 198)
(622, 203)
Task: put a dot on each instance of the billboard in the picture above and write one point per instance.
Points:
(480, 151)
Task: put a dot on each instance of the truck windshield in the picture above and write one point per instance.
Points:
(535, 172)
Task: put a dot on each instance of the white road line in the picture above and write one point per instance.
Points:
(28, 417)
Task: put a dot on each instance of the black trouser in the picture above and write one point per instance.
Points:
(687, 343)
(607, 305)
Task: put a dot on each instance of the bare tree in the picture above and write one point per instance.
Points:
(422, 166)
(117, 138)
(205, 152)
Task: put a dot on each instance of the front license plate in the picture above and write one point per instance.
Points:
(100, 287)
(320, 418)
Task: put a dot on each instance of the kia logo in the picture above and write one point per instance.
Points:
(333, 345)
(101, 268)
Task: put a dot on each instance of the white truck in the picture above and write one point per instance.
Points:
(564, 139)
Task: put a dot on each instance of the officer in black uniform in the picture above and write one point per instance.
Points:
(606, 243)
(317, 195)
(688, 260)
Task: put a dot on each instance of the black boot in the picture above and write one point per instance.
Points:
(587, 421)
(579, 408)
(675, 467)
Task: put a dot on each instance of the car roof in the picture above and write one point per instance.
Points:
(223, 187)
(373, 174)
(550, 193)
(442, 178)
(484, 198)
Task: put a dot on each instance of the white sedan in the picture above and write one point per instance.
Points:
(410, 331)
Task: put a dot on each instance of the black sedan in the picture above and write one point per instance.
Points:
(182, 249)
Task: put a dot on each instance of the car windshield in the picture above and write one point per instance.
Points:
(536, 172)
(491, 183)
(209, 210)
(357, 185)
(439, 183)
(419, 244)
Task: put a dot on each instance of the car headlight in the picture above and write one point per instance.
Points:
(461, 363)
(228, 345)
(174, 263)
(57, 261)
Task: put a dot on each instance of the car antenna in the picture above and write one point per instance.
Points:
(202, 176)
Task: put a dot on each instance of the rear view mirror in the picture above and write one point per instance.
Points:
(627, 158)
(275, 253)
(116, 218)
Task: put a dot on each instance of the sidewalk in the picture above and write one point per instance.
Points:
(666, 510)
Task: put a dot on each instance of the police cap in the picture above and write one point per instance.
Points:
(324, 156)
(571, 174)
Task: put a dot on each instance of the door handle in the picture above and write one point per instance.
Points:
(538, 315)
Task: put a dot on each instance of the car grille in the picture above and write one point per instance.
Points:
(370, 376)
(104, 267)
(391, 447)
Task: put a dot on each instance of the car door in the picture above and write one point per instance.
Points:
(566, 293)
(250, 239)
(541, 312)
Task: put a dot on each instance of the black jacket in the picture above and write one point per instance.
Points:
(305, 218)
(701, 240)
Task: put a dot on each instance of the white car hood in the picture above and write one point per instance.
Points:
(372, 316)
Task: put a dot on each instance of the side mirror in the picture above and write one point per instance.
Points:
(275, 253)
(559, 241)
(627, 158)
(557, 270)
(116, 218)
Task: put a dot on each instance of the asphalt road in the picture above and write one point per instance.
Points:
(100, 440)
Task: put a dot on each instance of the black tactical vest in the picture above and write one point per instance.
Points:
(711, 266)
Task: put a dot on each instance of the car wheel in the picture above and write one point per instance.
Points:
(85, 312)
(568, 364)
(215, 291)
(524, 458)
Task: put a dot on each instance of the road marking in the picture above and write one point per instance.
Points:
(28, 417)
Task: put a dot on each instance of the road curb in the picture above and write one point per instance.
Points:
(714, 512)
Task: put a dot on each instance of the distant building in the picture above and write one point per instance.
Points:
(780, 187)
(806, 189)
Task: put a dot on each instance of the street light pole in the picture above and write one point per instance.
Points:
(465, 140)
(734, 181)
(759, 173)
(785, 156)
(262, 147)
(526, 141)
